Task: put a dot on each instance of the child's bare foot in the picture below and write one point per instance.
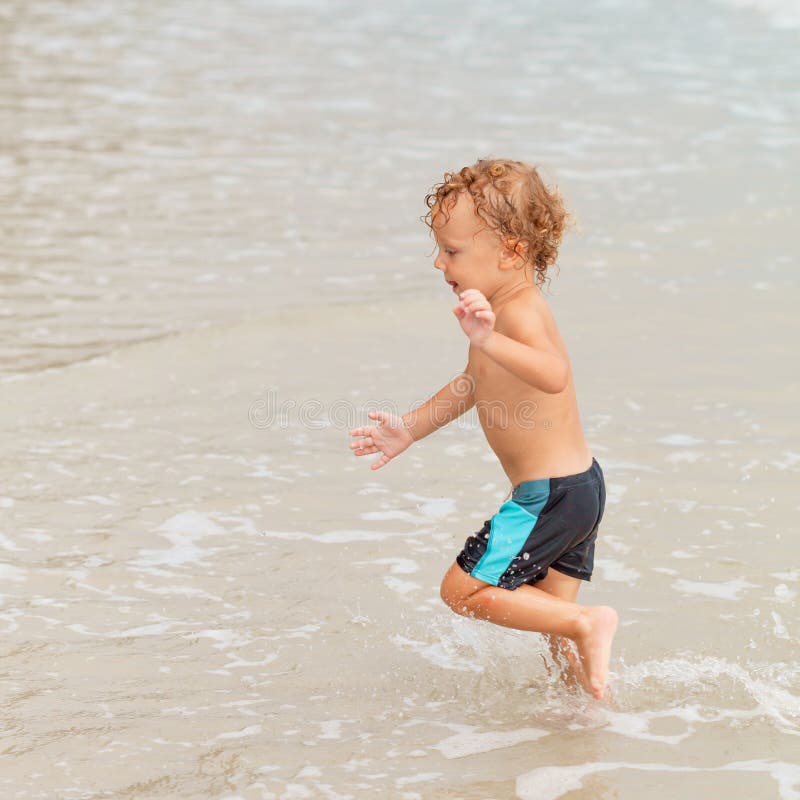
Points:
(568, 663)
(594, 645)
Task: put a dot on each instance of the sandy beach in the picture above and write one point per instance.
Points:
(213, 267)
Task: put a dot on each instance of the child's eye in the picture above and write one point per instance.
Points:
(450, 252)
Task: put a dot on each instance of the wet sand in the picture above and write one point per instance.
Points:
(211, 604)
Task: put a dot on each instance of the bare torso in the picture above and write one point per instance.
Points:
(534, 434)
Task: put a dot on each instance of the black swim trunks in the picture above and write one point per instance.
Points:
(550, 522)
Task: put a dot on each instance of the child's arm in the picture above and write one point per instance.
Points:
(392, 435)
(450, 402)
(527, 353)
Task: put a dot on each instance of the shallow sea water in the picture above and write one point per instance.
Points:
(212, 267)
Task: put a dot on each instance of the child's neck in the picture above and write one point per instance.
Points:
(506, 292)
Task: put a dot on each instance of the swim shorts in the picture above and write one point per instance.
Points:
(550, 522)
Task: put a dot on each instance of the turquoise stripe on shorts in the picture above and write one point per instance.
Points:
(510, 528)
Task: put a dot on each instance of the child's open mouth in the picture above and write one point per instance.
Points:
(452, 284)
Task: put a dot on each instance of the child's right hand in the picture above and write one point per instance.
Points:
(389, 437)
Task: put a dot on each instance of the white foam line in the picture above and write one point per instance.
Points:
(252, 730)
(773, 700)
(614, 570)
(729, 590)
(637, 725)
(437, 653)
(550, 783)
(336, 537)
(9, 572)
(469, 743)
(609, 466)
(397, 566)
(400, 586)
(9, 544)
(680, 440)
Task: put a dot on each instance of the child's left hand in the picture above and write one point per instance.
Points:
(475, 315)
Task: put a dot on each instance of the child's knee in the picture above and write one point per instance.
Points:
(450, 595)
(447, 595)
(453, 592)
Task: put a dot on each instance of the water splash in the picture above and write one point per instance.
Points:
(774, 688)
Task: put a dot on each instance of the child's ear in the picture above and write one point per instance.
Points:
(513, 251)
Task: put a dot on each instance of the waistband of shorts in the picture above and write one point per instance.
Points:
(525, 488)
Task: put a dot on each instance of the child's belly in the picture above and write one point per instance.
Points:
(534, 434)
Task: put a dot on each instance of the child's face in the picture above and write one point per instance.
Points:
(470, 254)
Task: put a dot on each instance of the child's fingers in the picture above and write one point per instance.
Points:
(476, 303)
(360, 444)
(472, 296)
(381, 462)
(364, 430)
(369, 430)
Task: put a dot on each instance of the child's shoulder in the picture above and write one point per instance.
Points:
(526, 308)
(526, 317)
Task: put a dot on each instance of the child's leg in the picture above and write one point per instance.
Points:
(565, 587)
(529, 608)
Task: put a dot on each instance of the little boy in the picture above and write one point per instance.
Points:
(497, 227)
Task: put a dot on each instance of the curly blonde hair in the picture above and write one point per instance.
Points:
(511, 198)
